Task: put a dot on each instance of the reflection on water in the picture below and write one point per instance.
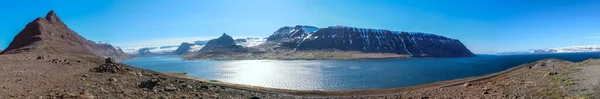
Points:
(278, 74)
(344, 74)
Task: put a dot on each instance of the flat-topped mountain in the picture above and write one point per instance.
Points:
(336, 42)
(369, 41)
(51, 35)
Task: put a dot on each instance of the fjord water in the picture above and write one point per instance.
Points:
(345, 74)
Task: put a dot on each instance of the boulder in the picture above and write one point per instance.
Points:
(109, 61)
(466, 84)
(150, 84)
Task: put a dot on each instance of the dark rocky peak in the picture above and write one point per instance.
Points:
(48, 36)
(224, 40)
(184, 48)
(51, 35)
(53, 19)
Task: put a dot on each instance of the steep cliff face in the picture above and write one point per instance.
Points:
(51, 35)
(371, 41)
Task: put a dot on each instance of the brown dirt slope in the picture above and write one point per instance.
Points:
(26, 76)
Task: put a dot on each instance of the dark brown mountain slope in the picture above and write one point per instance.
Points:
(51, 35)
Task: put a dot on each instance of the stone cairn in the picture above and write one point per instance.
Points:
(109, 66)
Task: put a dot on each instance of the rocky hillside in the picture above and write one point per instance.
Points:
(51, 35)
(369, 41)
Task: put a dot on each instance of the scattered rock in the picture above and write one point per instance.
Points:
(112, 79)
(485, 89)
(84, 75)
(189, 86)
(109, 66)
(170, 88)
(466, 84)
(86, 95)
(203, 87)
(150, 84)
(40, 58)
(552, 73)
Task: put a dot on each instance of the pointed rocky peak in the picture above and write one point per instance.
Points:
(226, 37)
(53, 18)
(51, 35)
(225, 41)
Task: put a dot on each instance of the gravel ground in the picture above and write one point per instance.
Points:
(586, 80)
(66, 76)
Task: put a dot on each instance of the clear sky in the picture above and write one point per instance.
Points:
(484, 26)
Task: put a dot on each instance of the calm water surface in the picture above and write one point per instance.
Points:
(344, 74)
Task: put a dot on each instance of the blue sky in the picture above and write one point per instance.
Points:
(484, 26)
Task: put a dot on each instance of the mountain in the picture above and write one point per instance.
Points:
(179, 50)
(570, 49)
(184, 48)
(223, 47)
(368, 41)
(151, 51)
(51, 35)
(223, 43)
(295, 33)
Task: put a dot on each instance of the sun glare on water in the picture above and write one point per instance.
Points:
(277, 74)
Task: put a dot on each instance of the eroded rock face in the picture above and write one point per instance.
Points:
(51, 35)
(369, 40)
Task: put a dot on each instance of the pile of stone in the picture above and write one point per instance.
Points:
(109, 66)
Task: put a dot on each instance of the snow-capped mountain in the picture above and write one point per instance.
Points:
(570, 49)
(150, 51)
(188, 46)
(368, 40)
